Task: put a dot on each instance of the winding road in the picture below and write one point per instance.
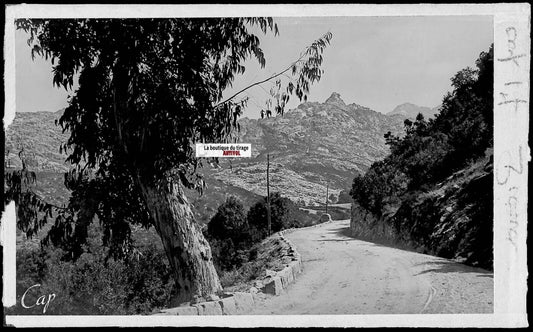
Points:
(343, 275)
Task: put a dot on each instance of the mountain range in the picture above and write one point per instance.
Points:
(311, 147)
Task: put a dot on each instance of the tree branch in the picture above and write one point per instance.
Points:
(260, 82)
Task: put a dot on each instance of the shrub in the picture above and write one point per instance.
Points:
(432, 150)
(428, 153)
(227, 255)
(229, 222)
(92, 284)
(229, 235)
(232, 234)
(282, 215)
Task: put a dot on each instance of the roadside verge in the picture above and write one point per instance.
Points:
(235, 303)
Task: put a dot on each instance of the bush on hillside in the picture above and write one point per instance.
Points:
(232, 232)
(229, 222)
(229, 235)
(282, 215)
(428, 154)
(94, 285)
(432, 150)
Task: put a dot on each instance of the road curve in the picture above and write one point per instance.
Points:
(343, 275)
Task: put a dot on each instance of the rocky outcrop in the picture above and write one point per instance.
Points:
(452, 220)
(309, 146)
(38, 134)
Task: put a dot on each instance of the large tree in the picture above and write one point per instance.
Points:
(149, 89)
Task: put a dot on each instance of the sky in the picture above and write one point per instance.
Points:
(377, 62)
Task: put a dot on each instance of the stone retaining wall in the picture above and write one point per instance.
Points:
(242, 302)
(282, 279)
(231, 304)
(364, 225)
(285, 277)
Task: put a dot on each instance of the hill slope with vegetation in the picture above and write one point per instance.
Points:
(434, 191)
(309, 146)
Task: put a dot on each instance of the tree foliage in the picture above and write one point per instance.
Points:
(431, 150)
(233, 232)
(94, 285)
(282, 213)
(33, 212)
(453, 220)
(229, 222)
(149, 89)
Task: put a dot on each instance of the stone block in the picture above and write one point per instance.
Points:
(284, 280)
(287, 277)
(273, 286)
(269, 273)
(180, 311)
(244, 302)
(296, 268)
(228, 305)
(209, 308)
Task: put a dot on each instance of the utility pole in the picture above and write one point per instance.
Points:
(268, 195)
(327, 192)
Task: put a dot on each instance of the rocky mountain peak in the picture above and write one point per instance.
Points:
(335, 98)
(312, 143)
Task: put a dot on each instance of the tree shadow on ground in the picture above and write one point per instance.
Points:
(343, 231)
(346, 232)
(442, 266)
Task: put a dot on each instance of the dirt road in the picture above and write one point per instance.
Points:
(343, 275)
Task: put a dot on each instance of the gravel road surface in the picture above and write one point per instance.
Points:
(343, 275)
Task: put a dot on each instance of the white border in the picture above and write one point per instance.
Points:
(511, 157)
(511, 130)
(422, 320)
(8, 238)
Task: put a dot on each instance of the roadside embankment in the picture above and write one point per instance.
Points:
(453, 219)
(286, 266)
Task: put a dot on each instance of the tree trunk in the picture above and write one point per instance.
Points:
(187, 250)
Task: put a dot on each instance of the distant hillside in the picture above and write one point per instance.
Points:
(310, 146)
(410, 111)
(38, 134)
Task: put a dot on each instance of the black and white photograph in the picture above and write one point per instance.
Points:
(181, 166)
